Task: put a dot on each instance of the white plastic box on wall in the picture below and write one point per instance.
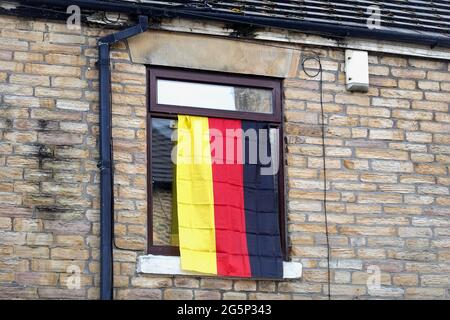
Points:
(357, 70)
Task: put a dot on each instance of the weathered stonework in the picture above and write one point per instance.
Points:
(387, 151)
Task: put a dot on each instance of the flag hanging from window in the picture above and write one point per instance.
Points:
(227, 207)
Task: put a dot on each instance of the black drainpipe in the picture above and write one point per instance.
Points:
(106, 172)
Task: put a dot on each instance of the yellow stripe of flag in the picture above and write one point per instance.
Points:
(195, 197)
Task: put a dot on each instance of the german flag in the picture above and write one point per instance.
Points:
(227, 210)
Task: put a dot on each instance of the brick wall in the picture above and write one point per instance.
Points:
(388, 155)
(49, 190)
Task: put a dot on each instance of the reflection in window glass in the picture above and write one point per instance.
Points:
(165, 228)
(221, 97)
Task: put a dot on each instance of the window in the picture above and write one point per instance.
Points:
(174, 92)
(212, 96)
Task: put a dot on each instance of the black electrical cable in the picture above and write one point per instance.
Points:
(311, 75)
(107, 20)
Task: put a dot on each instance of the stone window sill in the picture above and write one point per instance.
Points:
(170, 265)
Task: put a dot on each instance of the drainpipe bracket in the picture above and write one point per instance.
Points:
(126, 33)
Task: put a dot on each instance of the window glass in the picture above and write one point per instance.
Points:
(164, 225)
(212, 96)
(165, 228)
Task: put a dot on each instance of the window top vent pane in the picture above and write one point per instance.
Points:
(214, 96)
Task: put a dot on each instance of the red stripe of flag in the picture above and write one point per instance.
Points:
(229, 212)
